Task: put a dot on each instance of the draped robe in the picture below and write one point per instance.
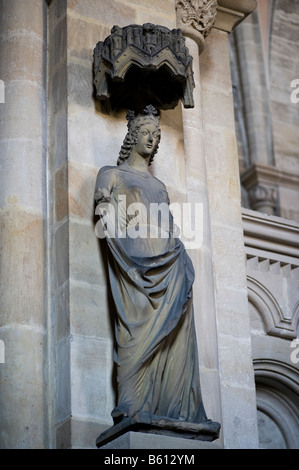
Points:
(151, 281)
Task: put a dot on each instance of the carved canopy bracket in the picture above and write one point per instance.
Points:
(140, 65)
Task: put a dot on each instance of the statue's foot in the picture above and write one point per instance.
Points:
(118, 413)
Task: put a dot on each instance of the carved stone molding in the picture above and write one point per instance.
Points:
(276, 371)
(268, 175)
(272, 251)
(277, 393)
(276, 322)
(263, 198)
(265, 182)
(271, 237)
(144, 64)
(196, 18)
(231, 12)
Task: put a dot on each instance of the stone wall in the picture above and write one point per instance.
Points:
(284, 69)
(273, 285)
(266, 113)
(264, 66)
(58, 382)
(85, 137)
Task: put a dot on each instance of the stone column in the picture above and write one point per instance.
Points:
(23, 414)
(195, 26)
(254, 84)
(238, 397)
(214, 162)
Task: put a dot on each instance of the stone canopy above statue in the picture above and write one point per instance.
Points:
(137, 65)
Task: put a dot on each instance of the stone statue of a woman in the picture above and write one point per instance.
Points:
(151, 279)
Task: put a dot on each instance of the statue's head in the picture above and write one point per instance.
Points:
(135, 123)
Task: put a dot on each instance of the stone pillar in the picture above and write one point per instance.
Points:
(23, 414)
(254, 84)
(214, 152)
(58, 296)
(238, 398)
(197, 192)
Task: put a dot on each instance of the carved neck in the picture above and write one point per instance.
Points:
(139, 163)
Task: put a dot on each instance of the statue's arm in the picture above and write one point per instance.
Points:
(104, 184)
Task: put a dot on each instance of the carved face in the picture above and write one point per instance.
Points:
(147, 139)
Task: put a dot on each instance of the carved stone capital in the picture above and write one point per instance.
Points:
(261, 182)
(263, 198)
(196, 18)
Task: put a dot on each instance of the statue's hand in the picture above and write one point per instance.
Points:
(102, 195)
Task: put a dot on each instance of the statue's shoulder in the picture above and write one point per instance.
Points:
(106, 178)
(107, 173)
(108, 169)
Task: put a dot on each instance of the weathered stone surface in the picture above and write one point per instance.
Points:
(58, 142)
(107, 13)
(22, 252)
(21, 163)
(88, 266)
(80, 85)
(61, 193)
(83, 34)
(61, 260)
(22, 417)
(17, 20)
(91, 369)
(89, 137)
(81, 183)
(63, 405)
(139, 440)
(61, 305)
(156, 7)
(240, 415)
(91, 312)
(78, 434)
(58, 46)
(21, 100)
(235, 308)
(24, 57)
(21, 258)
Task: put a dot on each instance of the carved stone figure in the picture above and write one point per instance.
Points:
(151, 279)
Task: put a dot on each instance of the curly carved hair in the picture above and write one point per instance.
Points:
(132, 137)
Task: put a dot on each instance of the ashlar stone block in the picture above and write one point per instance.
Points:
(113, 12)
(22, 265)
(22, 417)
(91, 378)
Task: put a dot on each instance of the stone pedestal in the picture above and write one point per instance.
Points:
(140, 440)
(205, 431)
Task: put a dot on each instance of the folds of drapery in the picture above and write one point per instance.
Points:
(156, 349)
